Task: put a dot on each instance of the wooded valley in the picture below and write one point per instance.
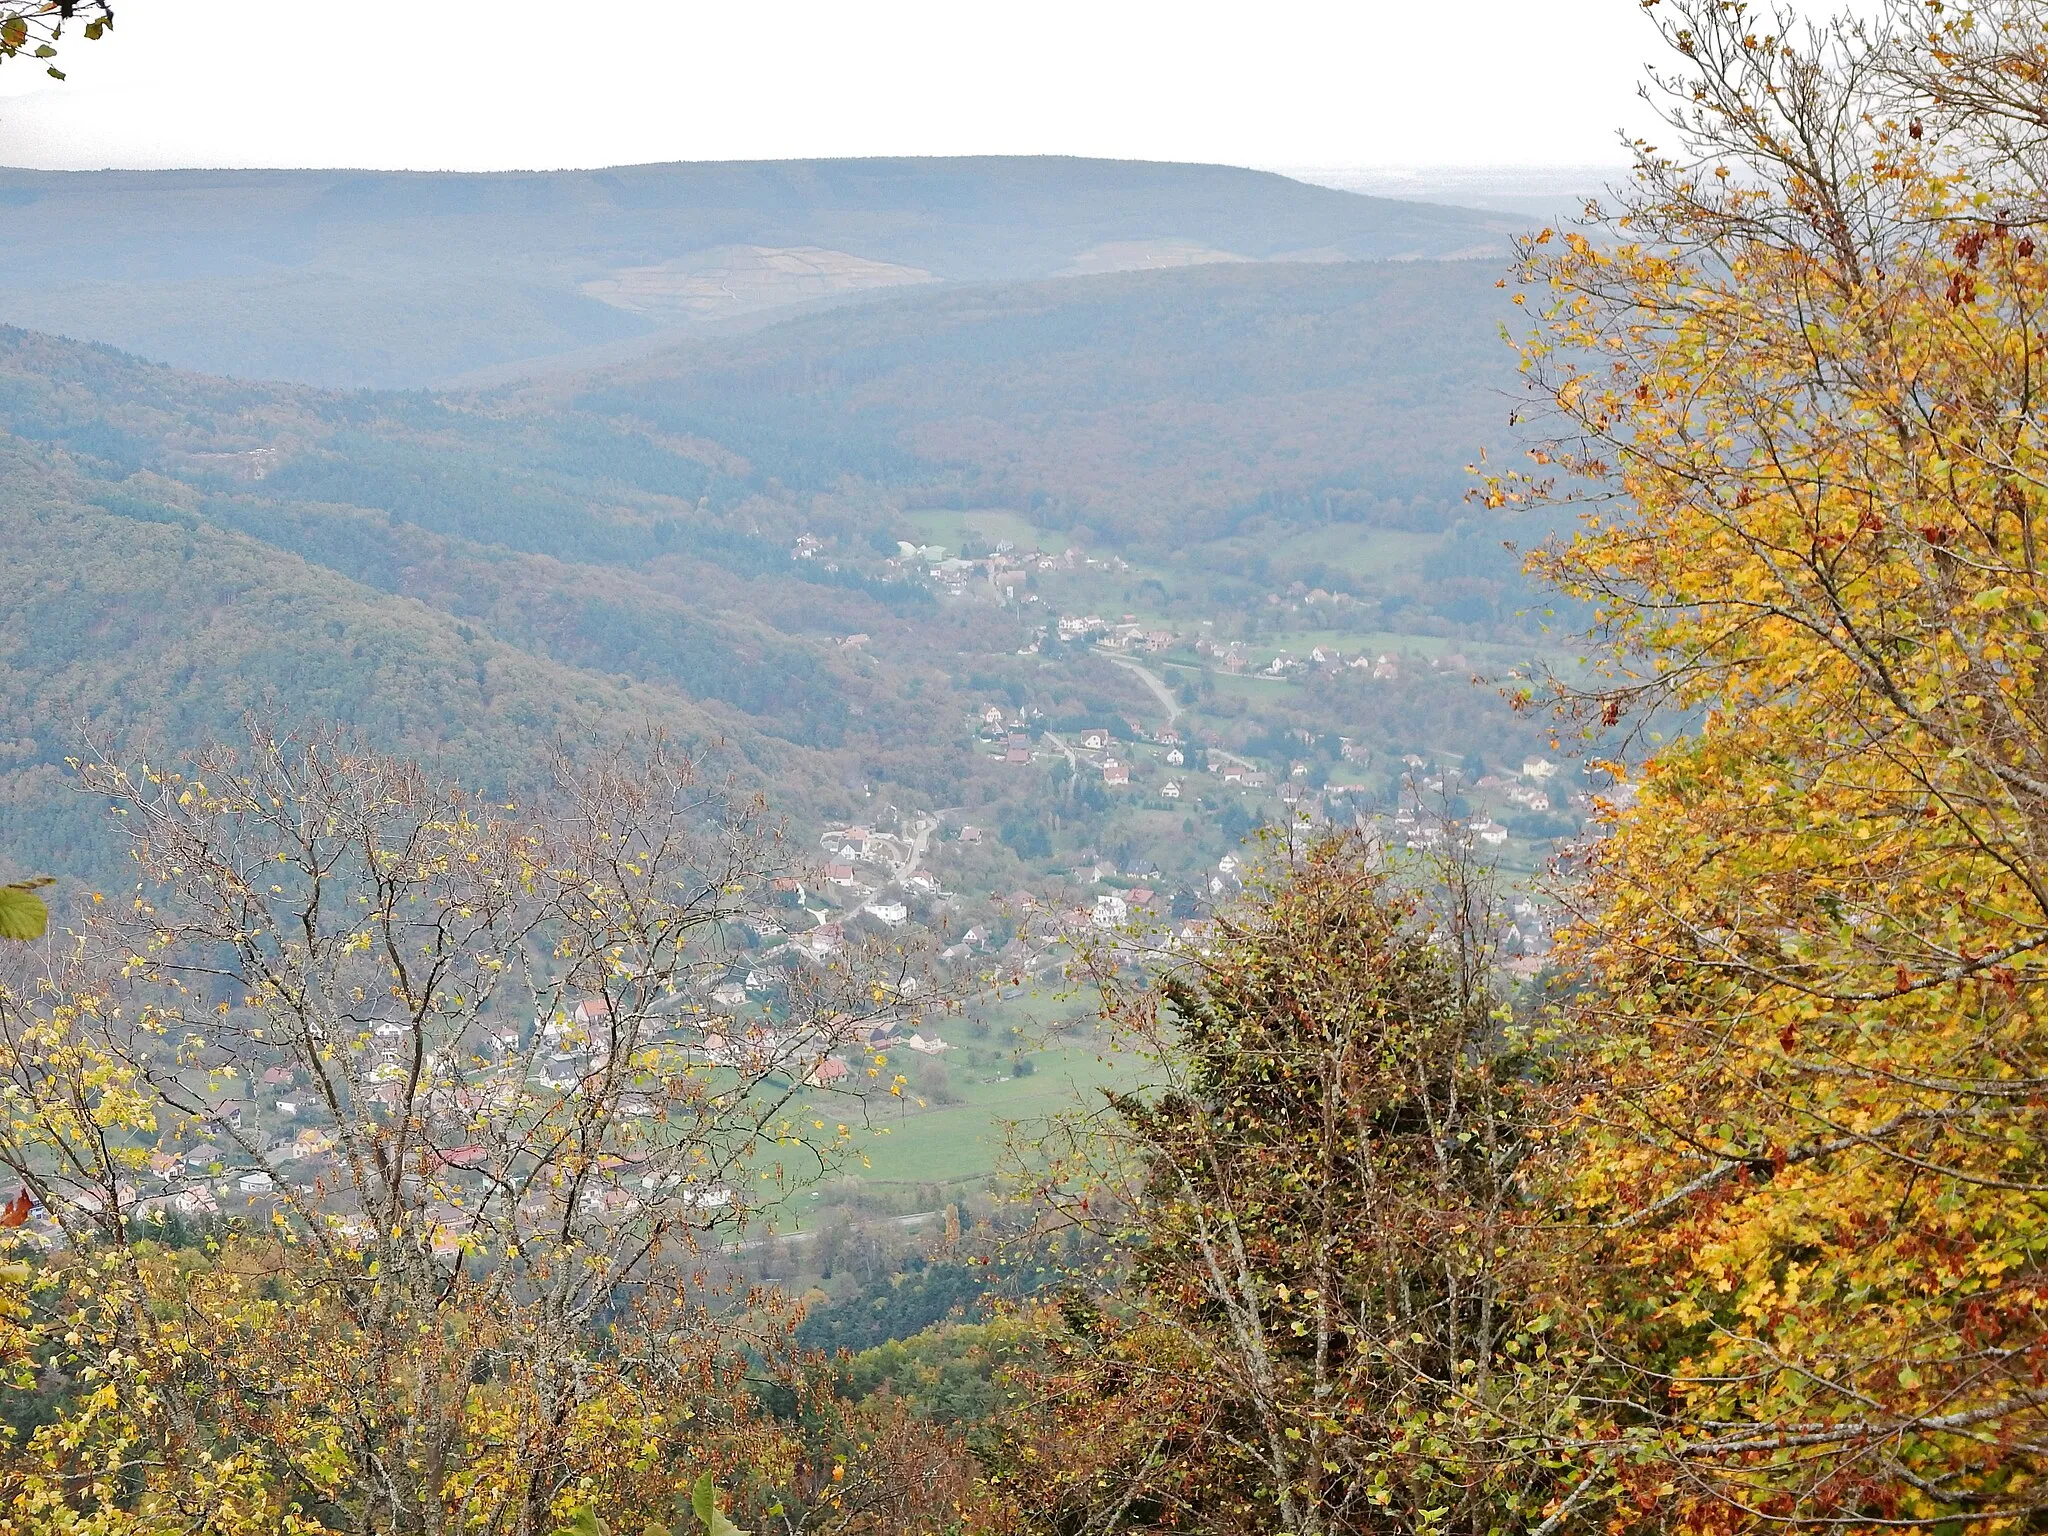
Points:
(1037, 900)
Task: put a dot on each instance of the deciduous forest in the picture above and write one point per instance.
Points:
(422, 1118)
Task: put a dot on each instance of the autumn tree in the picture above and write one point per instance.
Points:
(1794, 389)
(478, 1279)
(1321, 1316)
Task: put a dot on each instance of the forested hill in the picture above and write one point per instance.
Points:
(714, 539)
(394, 279)
(161, 580)
(1137, 408)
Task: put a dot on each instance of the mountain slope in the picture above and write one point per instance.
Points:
(164, 575)
(1252, 472)
(1145, 406)
(167, 631)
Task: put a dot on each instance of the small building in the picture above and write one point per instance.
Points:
(1114, 772)
(827, 1072)
(1170, 789)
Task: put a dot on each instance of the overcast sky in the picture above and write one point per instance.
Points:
(495, 84)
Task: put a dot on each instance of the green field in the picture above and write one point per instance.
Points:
(961, 1143)
(990, 524)
(1349, 547)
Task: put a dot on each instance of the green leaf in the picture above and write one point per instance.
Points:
(22, 913)
(13, 32)
(584, 1522)
(704, 1500)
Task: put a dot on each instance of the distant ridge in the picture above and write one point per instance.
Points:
(401, 279)
(1538, 191)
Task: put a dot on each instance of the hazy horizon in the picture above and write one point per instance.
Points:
(234, 83)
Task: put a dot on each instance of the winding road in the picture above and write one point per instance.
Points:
(1159, 689)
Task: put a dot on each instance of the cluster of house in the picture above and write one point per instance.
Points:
(1008, 733)
(1237, 656)
(1006, 568)
(1420, 830)
(863, 864)
(1526, 791)
(1125, 634)
(847, 847)
(235, 1164)
(1116, 769)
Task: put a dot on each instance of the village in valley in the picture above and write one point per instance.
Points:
(1294, 706)
(1126, 831)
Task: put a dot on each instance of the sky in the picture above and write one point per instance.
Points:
(535, 84)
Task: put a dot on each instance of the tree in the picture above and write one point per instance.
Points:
(1321, 1316)
(1800, 388)
(484, 1263)
(35, 27)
